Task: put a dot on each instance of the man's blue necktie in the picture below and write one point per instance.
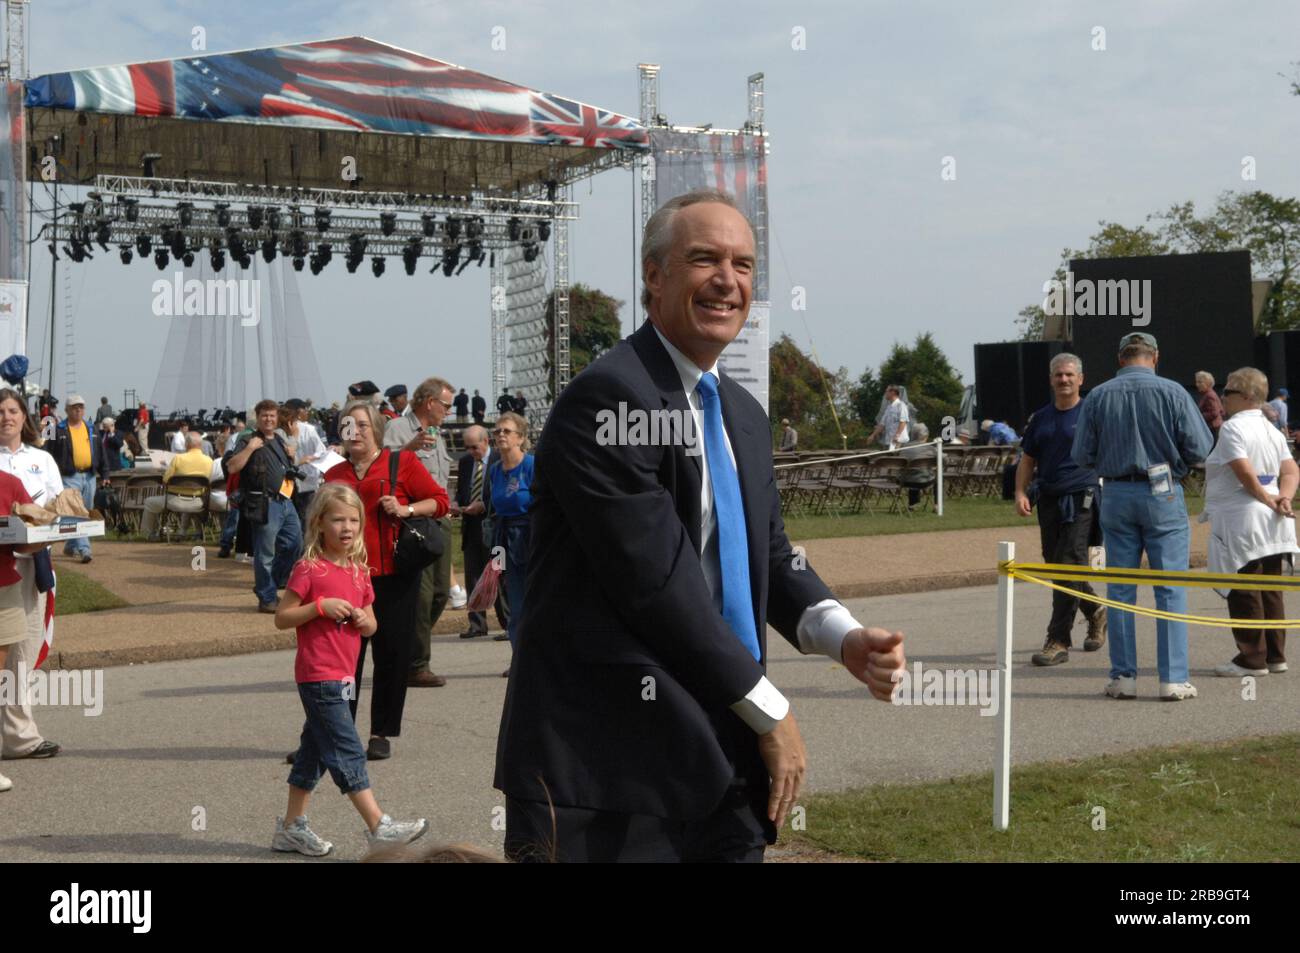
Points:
(733, 544)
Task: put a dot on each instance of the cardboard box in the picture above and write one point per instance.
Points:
(14, 531)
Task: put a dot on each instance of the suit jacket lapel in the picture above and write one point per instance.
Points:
(687, 467)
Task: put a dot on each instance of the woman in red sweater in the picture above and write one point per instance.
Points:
(416, 493)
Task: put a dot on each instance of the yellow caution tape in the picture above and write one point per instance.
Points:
(1151, 577)
(1212, 621)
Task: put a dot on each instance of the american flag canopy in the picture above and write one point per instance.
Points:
(353, 83)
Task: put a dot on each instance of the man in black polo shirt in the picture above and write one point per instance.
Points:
(1068, 497)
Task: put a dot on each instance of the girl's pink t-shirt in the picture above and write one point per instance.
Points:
(328, 650)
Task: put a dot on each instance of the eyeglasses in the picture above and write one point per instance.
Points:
(443, 402)
(502, 432)
(1230, 391)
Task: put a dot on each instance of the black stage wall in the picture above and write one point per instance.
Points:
(1011, 379)
(1200, 314)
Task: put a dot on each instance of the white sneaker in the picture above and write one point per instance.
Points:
(1233, 670)
(5, 783)
(1176, 691)
(459, 597)
(1277, 668)
(243, 558)
(298, 837)
(1126, 686)
(390, 831)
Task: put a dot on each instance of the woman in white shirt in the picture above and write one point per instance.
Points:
(21, 457)
(1250, 481)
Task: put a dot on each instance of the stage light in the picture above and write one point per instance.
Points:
(452, 228)
(235, 242)
(186, 212)
(377, 265)
(216, 257)
(351, 264)
(223, 214)
(295, 216)
(187, 259)
(268, 250)
(298, 243)
(143, 245)
(325, 252)
(103, 233)
(426, 224)
(124, 252)
(132, 207)
(273, 218)
(322, 219)
(255, 217)
(388, 222)
(411, 254)
(297, 263)
(177, 243)
(543, 230)
(160, 258)
(512, 228)
(474, 229)
(530, 252)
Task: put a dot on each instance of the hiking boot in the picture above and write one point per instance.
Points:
(390, 831)
(1176, 691)
(1096, 632)
(1126, 686)
(298, 838)
(1053, 653)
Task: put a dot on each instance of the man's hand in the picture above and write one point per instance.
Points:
(873, 656)
(421, 441)
(1023, 506)
(255, 443)
(474, 509)
(783, 753)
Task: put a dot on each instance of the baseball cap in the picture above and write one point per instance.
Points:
(74, 399)
(1138, 337)
(1284, 392)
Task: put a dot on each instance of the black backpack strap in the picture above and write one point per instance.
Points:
(393, 461)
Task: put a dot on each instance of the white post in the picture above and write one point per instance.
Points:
(1002, 767)
(938, 484)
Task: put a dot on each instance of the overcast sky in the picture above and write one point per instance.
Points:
(1049, 136)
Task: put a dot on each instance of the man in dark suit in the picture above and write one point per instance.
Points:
(472, 489)
(477, 406)
(638, 709)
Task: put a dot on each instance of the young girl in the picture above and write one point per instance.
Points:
(328, 599)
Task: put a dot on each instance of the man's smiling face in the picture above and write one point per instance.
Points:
(702, 292)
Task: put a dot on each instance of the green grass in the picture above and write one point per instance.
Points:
(1225, 802)
(77, 593)
(965, 513)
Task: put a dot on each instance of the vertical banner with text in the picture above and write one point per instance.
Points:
(13, 224)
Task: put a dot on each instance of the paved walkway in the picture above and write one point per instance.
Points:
(180, 611)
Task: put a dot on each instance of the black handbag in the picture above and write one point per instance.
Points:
(419, 542)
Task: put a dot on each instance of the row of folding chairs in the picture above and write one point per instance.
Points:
(850, 486)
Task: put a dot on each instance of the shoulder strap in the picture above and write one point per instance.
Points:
(393, 461)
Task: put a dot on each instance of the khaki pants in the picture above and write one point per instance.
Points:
(153, 507)
(18, 732)
(435, 590)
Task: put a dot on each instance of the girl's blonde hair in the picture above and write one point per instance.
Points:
(328, 495)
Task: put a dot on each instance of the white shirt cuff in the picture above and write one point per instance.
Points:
(763, 707)
(822, 628)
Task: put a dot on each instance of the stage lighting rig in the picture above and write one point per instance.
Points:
(452, 228)
(377, 265)
(186, 212)
(426, 224)
(543, 230)
(298, 262)
(216, 257)
(268, 250)
(143, 245)
(255, 217)
(131, 208)
(124, 252)
(298, 243)
(103, 233)
(388, 222)
(512, 228)
(178, 243)
(160, 258)
(273, 218)
(530, 252)
(322, 219)
(223, 214)
(187, 259)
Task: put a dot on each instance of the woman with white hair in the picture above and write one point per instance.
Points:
(1250, 481)
(1208, 401)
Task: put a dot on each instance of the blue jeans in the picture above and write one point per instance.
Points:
(1132, 520)
(276, 547)
(84, 483)
(513, 535)
(231, 528)
(329, 740)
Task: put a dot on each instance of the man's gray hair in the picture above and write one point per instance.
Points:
(474, 434)
(658, 235)
(193, 439)
(1062, 358)
(430, 387)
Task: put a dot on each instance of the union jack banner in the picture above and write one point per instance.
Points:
(350, 83)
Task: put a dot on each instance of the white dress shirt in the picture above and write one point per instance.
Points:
(822, 626)
(37, 471)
